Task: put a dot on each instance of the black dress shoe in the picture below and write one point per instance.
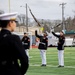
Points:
(60, 66)
(43, 65)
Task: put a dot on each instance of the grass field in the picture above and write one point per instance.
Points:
(52, 62)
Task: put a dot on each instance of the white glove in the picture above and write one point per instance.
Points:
(52, 30)
(47, 32)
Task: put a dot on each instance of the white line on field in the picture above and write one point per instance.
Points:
(54, 66)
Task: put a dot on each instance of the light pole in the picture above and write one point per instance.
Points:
(26, 17)
(63, 15)
(9, 5)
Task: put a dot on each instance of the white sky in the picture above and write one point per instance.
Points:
(42, 9)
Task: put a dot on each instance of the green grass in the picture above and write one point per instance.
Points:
(52, 62)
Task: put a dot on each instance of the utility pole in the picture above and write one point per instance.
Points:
(26, 18)
(63, 15)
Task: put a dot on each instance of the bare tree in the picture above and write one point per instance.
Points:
(1, 11)
(21, 19)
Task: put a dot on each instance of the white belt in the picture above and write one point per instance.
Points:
(42, 43)
(24, 43)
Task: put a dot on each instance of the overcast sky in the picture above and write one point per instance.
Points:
(42, 9)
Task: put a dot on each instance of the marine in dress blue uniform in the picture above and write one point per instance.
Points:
(11, 49)
(26, 43)
(60, 47)
(42, 47)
